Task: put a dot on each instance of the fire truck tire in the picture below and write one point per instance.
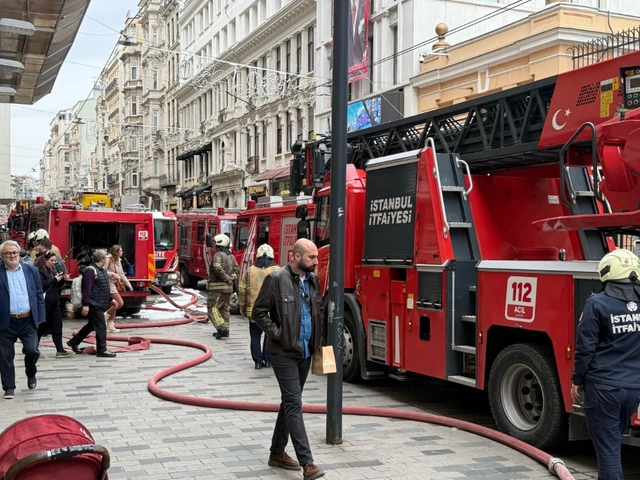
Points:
(167, 289)
(351, 348)
(186, 280)
(525, 396)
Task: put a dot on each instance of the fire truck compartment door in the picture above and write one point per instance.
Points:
(398, 311)
(376, 313)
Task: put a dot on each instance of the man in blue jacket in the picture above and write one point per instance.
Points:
(607, 359)
(21, 311)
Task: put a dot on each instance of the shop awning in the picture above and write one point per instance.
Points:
(184, 192)
(196, 151)
(273, 174)
(202, 188)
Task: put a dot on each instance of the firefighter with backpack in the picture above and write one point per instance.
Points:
(223, 271)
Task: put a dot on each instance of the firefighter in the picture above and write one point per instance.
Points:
(222, 273)
(607, 358)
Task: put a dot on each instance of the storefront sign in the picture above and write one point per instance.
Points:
(187, 202)
(204, 200)
(257, 190)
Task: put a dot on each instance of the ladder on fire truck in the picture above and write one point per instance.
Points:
(496, 132)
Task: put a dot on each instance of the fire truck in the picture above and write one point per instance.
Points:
(18, 221)
(78, 232)
(474, 233)
(165, 234)
(195, 241)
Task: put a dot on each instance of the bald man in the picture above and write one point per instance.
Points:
(289, 311)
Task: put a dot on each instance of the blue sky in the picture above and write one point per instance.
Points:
(92, 46)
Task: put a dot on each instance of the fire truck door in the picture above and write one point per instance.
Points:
(376, 313)
(185, 239)
(398, 310)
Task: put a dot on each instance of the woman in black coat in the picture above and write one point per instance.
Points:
(51, 282)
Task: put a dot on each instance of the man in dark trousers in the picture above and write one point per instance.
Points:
(21, 312)
(95, 301)
(289, 311)
(607, 358)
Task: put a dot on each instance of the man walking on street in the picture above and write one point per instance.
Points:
(96, 298)
(248, 290)
(21, 312)
(289, 311)
(607, 358)
(222, 273)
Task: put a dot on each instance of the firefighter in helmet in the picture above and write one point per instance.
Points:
(223, 271)
(607, 358)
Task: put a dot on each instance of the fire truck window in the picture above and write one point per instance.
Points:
(164, 234)
(86, 237)
(323, 219)
(228, 227)
(241, 235)
(263, 231)
(183, 234)
(200, 235)
(213, 230)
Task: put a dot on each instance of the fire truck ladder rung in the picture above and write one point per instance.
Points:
(469, 318)
(462, 380)
(465, 349)
(459, 224)
(452, 188)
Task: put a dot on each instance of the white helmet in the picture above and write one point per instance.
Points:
(619, 265)
(31, 236)
(265, 250)
(41, 234)
(221, 240)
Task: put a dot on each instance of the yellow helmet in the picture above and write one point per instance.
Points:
(621, 264)
(265, 250)
(221, 240)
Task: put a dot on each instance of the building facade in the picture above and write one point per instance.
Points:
(5, 153)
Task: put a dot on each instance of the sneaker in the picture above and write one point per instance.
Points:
(258, 365)
(283, 460)
(64, 354)
(8, 394)
(311, 471)
(107, 317)
(32, 383)
(112, 329)
(76, 350)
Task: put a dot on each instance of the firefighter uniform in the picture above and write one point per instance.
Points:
(607, 359)
(222, 273)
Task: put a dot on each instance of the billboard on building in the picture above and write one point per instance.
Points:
(358, 51)
(386, 107)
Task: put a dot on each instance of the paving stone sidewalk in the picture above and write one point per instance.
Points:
(152, 438)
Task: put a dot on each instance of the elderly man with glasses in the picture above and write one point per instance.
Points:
(21, 311)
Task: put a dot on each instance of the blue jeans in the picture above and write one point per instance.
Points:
(608, 411)
(25, 330)
(258, 353)
(291, 374)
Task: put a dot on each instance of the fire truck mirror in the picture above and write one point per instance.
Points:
(302, 211)
(304, 229)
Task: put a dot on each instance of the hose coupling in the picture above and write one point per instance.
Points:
(553, 463)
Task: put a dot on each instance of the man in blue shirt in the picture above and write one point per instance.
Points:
(289, 311)
(21, 311)
(607, 359)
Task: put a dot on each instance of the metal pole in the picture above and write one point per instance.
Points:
(341, 16)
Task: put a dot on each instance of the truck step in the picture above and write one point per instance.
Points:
(462, 380)
(469, 318)
(465, 349)
(452, 188)
(459, 224)
(401, 376)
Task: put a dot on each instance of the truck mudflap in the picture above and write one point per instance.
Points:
(368, 370)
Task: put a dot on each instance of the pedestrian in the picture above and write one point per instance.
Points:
(250, 285)
(52, 280)
(114, 266)
(607, 358)
(223, 271)
(96, 298)
(289, 311)
(21, 312)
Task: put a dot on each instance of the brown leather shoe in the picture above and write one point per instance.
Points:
(283, 460)
(312, 471)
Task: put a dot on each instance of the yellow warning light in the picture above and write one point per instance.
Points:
(569, 352)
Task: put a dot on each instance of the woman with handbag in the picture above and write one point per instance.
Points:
(118, 282)
(51, 280)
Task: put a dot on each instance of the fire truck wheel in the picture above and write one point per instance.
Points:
(525, 396)
(167, 289)
(186, 280)
(351, 359)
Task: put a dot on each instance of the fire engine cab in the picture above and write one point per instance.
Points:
(474, 232)
(78, 232)
(195, 252)
(165, 234)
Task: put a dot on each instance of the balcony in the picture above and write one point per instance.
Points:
(112, 178)
(151, 184)
(132, 84)
(111, 87)
(165, 182)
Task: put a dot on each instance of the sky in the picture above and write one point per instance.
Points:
(92, 46)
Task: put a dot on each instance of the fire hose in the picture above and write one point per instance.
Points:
(555, 465)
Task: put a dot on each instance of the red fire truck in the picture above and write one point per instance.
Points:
(474, 232)
(165, 234)
(78, 232)
(194, 252)
(18, 221)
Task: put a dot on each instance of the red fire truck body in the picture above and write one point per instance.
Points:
(165, 234)
(474, 235)
(193, 251)
(76, 232)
